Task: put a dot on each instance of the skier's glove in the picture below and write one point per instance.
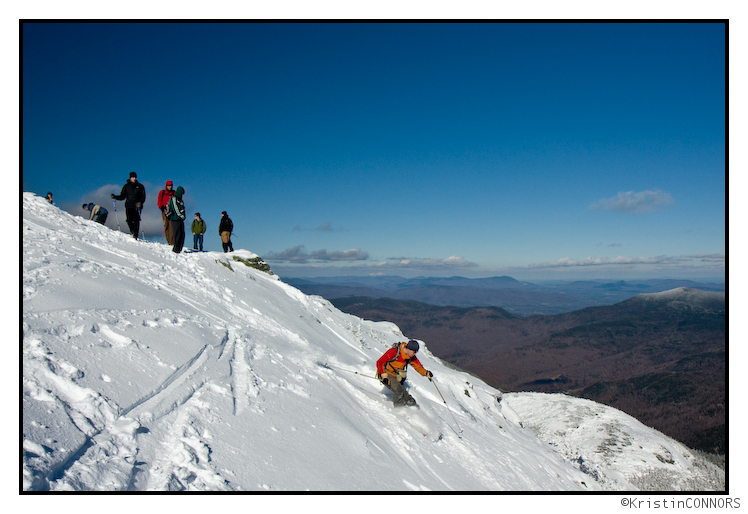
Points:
(112, 195)
(429, 375)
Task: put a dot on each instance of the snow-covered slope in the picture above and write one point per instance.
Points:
(147, 370)
(613, 447)
(685, 298)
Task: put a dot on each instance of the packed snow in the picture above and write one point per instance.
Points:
(146, 370)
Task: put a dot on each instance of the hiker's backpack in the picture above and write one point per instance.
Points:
(397, 354)
(169, 210)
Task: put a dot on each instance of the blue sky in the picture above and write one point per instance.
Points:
(538, 151)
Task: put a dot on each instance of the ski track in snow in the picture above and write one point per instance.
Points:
(149, 371)
(183, 462)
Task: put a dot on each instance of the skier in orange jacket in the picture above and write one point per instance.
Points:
(391, 370)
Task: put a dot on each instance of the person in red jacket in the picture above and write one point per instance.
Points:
(391, 370)
(163, 200)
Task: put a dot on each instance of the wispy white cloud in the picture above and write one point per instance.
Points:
(324, 227)
(568, 262)
(712, 257)
(360, 262)
(454, 261)
(643, 201)
(297, 255)
(354, 254)
(662, 260)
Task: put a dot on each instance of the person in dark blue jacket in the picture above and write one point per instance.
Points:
(176, 213)
(98, 213)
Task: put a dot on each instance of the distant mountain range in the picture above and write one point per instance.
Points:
(522, 298)
(659, 356)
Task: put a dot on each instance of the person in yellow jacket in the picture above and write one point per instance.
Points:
(391, 370)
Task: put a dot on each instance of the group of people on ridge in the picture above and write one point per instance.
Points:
(173, 213)
(171, 204)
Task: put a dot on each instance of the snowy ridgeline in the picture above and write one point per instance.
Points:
(144, 370)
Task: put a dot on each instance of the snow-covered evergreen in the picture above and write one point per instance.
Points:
(144, 370)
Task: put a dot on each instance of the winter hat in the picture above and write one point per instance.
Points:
(412, 345)
(224, 213)
(85, 205)
(169, 183)
(180, 192)
(133, 174)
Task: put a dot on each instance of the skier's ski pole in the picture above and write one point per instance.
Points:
(140, 218)
(116, 215)
(445, 404)
(348, 370)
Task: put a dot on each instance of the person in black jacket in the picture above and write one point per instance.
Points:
(133, 193)
(175, 212)
(225, 228)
